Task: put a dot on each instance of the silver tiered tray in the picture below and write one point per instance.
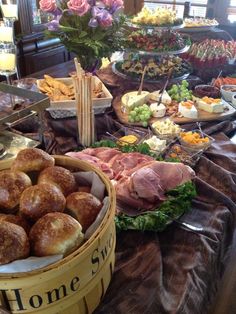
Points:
(154, 27)
(137, 79)
(154, 53)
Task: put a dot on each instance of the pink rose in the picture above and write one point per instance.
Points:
(48, 5)
(115, 3)
(105, 19)
(79, 7)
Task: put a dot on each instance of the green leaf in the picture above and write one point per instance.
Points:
(83, 34)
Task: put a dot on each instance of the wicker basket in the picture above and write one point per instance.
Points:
(76, 284)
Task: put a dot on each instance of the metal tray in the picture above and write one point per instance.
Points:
(137, 79)
(38, 102)
(154, 27)
(154, 53)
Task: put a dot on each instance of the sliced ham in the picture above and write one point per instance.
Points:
(127, 200)
(148, 184)
(171, 174)
(127, 161)
(94, 161)
(103, 153)
(141, 181)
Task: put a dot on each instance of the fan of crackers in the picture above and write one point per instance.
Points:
(56, 90)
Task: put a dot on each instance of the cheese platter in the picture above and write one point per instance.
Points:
(132, 111)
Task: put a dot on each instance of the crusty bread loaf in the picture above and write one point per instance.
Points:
(14, 243)
(12, 184)
(55, 233)
(60, 177)
(32, 159)
(17, 220)
(41, 199)
(84, 207)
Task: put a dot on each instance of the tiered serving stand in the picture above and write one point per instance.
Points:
(143, 55)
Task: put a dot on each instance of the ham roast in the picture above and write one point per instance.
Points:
(140, 181)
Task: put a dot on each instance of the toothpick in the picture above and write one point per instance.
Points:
(142, 80)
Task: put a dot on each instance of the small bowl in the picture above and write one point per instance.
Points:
(234, 100)
(177, 151)
(148, 136)
(196, 147)
(206, 90)
(166, 136)
(227, 94)
(124, 131)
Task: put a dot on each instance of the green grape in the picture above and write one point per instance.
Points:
(142, 117)
(145, 124)
(131, 120)
(146, 116)
(136, 119)
(132, 113)
(185, 83)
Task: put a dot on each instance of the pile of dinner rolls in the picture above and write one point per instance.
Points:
(43, 211)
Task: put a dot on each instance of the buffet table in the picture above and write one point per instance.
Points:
(178, 270)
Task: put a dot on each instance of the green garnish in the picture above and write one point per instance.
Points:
(178, 202)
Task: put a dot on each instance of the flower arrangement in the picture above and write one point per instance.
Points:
(89, 28)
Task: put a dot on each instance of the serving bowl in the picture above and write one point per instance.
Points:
(194, 141)
(206, 90)
(227, 92)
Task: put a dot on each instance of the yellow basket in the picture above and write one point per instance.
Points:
(76, 284)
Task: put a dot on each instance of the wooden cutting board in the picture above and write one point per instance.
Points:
(202, 115)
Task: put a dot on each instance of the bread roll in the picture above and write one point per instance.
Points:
(55, 233)
(17, 220)
(14, 243)
(60, 177)
(38, 200)
(84, 207)
(12, 184)
(32, 159)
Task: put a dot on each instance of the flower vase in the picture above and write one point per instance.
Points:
(89, 64)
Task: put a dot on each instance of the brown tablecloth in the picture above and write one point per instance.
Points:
(176, 271)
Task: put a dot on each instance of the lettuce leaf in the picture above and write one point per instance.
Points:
(178, 202)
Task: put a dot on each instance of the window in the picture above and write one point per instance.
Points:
(232, 11)
(198, 7)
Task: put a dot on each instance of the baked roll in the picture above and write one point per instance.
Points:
(84, 207)
(12, 184)
(55, 233)
(32, 159)
(17, 220)
(41, 199)
(60, 177)
(14, 243)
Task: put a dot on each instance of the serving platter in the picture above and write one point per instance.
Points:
(155, 53)
(202, 115)
(155, 27)
(194, 29)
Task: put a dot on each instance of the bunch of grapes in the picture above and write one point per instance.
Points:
(180, 92)
(140, 114)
